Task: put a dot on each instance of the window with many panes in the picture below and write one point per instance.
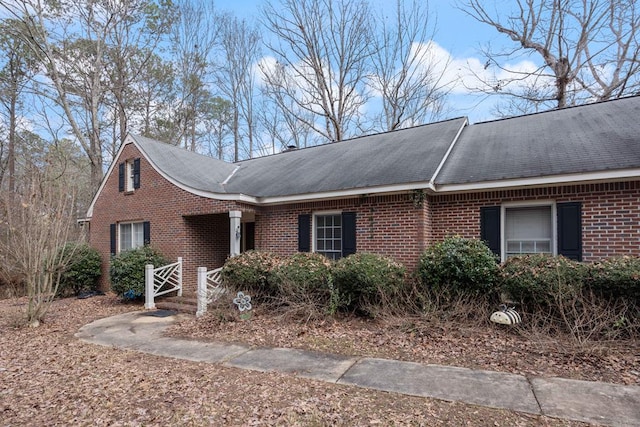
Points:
(328, 235)
(131, 236)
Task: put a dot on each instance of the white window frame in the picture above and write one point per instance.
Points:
(128, 176)
(528, 204)
(133, 245)
(314, 226)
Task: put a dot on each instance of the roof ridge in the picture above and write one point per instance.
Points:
(556, 110)
(170, 146)
(329, 144)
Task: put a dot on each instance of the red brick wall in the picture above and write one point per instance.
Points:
(389, 225)
(207, 243)
(176, 229)
(610, 214)
(197, 228)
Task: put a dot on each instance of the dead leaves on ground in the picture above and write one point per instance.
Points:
(48, 377)
(491, 347)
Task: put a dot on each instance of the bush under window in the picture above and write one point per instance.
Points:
(458, 266)
(127, 270)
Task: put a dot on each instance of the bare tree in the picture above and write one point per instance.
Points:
(406, 74)
(283, 129)
(38, 222)
(16, 71)
(235, 78)
(193, 39)
(72, 40)
(322, 53)
(131, 45)
(589, 49)
(74, 62)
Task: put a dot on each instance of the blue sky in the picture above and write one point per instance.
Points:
(458, 35)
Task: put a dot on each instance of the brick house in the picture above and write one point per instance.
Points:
(560, 182)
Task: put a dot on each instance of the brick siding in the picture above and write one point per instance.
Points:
(388, 225)
(610, 214)
(399, 226)
(182, 224)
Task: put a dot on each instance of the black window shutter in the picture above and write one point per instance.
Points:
(304, 233)
(112, 236)
(490, 227)
(348, 233)
(570, 230)
(121, 177)
(136, 173)
(146, 233)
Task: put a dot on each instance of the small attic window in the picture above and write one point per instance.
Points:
(129, 175)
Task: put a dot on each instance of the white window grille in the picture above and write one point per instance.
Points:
(328, 235)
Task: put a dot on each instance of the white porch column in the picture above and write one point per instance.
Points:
(202, 291)
(235, 232)
(148, 287)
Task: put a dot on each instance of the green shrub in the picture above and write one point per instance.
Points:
(305, 281)
(83, 271)
(305, 271)
(615, 278)
(458, 266)
(127, 270)
(365, 280)
(250, 272)
(542, 280)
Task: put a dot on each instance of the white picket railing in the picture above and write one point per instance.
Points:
(209, 288)
(160, 281)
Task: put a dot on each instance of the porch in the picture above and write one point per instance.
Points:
(209, 240)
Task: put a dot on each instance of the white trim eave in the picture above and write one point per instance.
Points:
(345, 194)
(546, 181)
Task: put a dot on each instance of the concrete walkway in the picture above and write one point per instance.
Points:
(591, 402)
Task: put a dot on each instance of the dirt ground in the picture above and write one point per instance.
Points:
(48, 377)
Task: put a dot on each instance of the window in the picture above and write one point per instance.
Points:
(528, 230)
(332, 234)
(328, 235)
(131, 236)
(535, 227)
(129, 175)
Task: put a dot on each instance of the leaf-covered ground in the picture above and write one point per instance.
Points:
(48, 377)
(490, 347)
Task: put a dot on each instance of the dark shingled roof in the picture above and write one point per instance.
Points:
(591, 138)
(190, 169)
(586, 139)
(399, 157)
